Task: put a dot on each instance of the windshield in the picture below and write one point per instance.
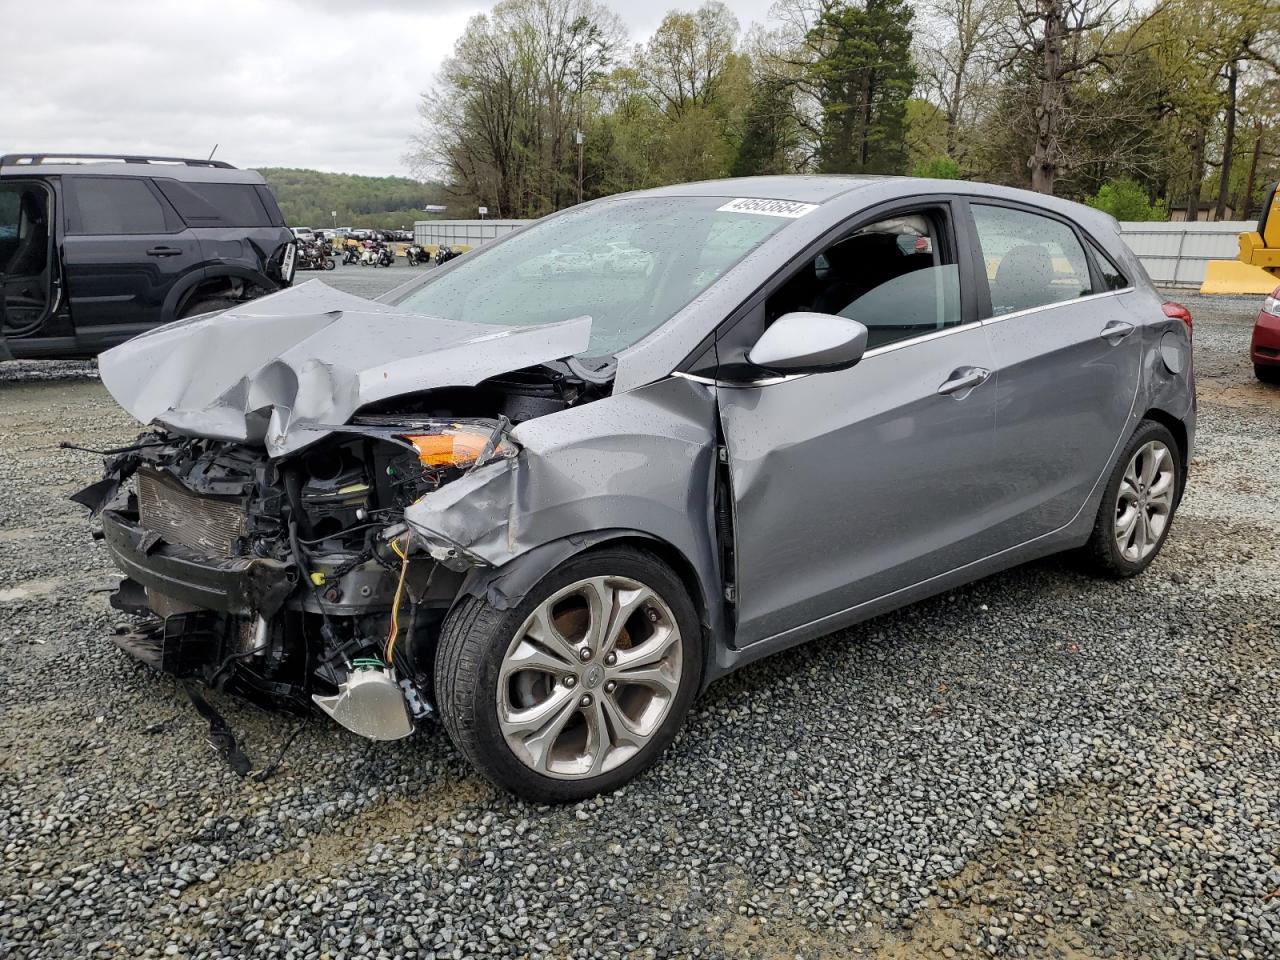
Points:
(630, 265)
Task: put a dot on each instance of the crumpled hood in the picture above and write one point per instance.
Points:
(269, 371)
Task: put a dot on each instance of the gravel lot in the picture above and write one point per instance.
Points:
(1038, 765)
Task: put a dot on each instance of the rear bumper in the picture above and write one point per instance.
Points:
(240, 586)
(1264, 348)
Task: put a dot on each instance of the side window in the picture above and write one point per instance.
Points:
(107, 206)
(24, 235)
(1031, 260)
(898, 277)
(1112, 278)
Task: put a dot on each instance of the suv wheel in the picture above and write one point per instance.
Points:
(1138, 506)
(581, 686)
(208, 305)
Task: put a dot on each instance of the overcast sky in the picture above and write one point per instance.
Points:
(325, 84)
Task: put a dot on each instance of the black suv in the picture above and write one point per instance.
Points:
(95, 249)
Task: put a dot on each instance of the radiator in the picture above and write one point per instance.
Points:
(210, 525)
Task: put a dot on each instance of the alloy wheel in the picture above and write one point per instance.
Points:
(589, 677)
(1144, 503)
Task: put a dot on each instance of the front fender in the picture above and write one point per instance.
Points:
(638, 464)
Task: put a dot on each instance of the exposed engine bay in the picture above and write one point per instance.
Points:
(294, 580)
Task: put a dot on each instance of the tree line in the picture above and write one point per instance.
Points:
(1136, 108)
(307, 198)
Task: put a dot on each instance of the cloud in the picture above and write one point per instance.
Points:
(325, 84)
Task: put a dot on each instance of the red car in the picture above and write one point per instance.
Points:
(1264, 349)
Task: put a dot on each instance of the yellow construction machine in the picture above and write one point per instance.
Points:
(1256, 269)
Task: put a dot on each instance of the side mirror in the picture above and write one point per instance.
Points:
(809, 343)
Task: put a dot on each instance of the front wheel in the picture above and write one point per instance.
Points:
(578, 688)
(1138, 505)
(329, 264)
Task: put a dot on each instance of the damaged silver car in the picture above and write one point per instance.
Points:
(549, 507)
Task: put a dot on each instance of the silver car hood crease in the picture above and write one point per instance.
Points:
(271, 371)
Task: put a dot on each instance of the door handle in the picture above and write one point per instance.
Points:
(1115, 331)
(163, 252)
(964, 378)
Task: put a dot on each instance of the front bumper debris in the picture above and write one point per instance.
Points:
(240, 586)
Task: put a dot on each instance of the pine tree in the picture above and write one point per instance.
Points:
(864, 79)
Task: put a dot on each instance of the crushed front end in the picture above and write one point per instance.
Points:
(291, 580)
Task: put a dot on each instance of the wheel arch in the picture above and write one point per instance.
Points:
(1180, 436)
(505, 586)
(211, 280)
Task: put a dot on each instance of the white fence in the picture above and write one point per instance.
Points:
(1174, 254)
(457, 232)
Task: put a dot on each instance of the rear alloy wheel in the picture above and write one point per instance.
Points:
(1138, 506)
(1144, 502)
(580, 687)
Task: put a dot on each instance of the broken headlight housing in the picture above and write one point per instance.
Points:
(461, 445)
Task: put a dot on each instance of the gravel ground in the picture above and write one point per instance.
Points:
(1038, 765)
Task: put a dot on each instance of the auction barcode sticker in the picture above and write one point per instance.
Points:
(769, 208)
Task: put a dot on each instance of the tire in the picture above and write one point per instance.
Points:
(329, 264)
(208, 305)
(478, 641)
(1266, 373)
(1104, 554)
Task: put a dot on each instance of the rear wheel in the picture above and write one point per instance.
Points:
(1138, 506)
(580, 687)
(1267, 373)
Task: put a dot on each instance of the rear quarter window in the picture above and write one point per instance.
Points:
(217, 204)
(1112, 278)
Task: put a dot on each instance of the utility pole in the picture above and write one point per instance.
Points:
(580, 140)
(582, 82)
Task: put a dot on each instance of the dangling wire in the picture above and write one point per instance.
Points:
(395, 604)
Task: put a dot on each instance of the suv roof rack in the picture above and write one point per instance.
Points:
(32, 159)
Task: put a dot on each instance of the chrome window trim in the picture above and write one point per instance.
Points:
(738, 384)
(921, 338)
(1050, 306)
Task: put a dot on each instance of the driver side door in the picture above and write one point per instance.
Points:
(851, 485)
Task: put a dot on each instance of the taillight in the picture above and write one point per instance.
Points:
(1271, 305)
(1178, 312)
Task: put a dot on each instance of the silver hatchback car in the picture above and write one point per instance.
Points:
(549, 506)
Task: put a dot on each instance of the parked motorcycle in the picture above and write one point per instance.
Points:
(377, 255)
(350, 255)
(415, 254)
(311, 256)
(445, 254)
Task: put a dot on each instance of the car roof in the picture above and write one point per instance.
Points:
(801, 188)
(851, 191)
(172, 170)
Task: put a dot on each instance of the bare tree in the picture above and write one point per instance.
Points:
(686, 59)
(1066, 40)
(957, 53)
(498, 123)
